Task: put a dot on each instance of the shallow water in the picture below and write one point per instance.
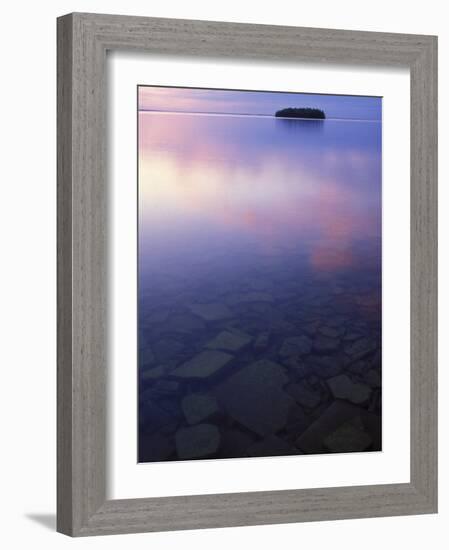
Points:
(259, 286)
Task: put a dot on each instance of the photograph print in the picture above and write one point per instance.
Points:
(259, 274)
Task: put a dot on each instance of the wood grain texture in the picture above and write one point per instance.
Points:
(64, 277)
(83, 40)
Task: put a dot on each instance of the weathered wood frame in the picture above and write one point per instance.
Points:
(83, 40)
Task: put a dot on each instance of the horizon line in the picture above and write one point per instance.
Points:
(258, 115)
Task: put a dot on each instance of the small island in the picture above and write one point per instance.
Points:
(301, 112)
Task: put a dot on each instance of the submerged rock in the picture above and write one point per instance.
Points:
(229, 341)
(339, 412)
(373, 378)
(310, 328)
(167, 348)
(186, 323)
(297, 366)
(197, 441)
(298, 421)
(254, 397)
(203, 365)
(358, 367)
(296, 345)
(282, 327)
(342, 387)
(304, 396)
(351, 336)
(211, 311)
(325, 344)
(155, 317)
(360, 348)
(261, 342)
(324, 366)
(153, 374)
(330, 332)
(197, 407)
(347, 438)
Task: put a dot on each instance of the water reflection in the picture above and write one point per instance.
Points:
(259, 241)
(295, 124)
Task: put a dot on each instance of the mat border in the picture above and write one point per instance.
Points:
(83, 40)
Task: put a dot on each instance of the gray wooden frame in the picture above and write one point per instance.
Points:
(83, 40)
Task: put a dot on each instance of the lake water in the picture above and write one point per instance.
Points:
(259, 286)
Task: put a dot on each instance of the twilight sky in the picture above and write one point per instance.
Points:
(250, 102)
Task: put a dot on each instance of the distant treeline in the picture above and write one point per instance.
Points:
(300, 112)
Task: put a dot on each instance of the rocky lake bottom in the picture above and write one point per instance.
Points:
(271, 359)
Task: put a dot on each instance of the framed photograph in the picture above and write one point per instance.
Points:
(247, 282)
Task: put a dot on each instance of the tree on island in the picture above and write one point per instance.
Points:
(300, 112)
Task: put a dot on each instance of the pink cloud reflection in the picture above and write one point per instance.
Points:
(196, 175)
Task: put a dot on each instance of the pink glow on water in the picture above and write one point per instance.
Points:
(258, 182)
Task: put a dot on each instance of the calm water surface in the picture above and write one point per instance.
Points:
(259, 244)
